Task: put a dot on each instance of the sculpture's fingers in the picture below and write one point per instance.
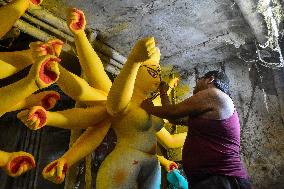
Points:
(19, 172)
(76, 20)
(22, 115)
(40, 114)
(61, 170)
(47, 71)
(29, 123)
(49, 101)
(20, 164)
(57, 46)
(35, 125)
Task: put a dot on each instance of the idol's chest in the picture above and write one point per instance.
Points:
(134, 118)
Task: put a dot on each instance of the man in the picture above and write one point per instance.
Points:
(211, 153)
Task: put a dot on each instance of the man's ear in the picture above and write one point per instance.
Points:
(211, 79)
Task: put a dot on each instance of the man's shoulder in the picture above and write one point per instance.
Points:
(217, 92)
(222, 99)
(219, 95)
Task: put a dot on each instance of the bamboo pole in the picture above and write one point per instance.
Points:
(37, 33)
(48, 27)
(112, 66)
(48, 17)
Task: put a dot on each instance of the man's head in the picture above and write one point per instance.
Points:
(213, 79)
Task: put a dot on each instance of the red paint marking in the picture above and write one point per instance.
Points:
(49, 50)
(78, 25)
(135, 162)
(173, 166)
(57, 42)
(57, 46)
(50, 167)
(46, 75)
(65, 167)
(36, 2)
(46, 100)
(20, 161)
(40, 114)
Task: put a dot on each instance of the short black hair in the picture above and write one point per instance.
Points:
(221, 80)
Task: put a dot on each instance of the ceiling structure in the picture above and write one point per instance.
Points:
(187, 32)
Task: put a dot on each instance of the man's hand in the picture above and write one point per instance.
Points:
(163, 87)
(19, 163)
(34, 118)
(76, 20)
(56, 171)
(147, 105)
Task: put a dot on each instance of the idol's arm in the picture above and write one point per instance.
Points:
(85, 144)
(75, 118)
(89, 60)
(13, 62)
(78, 89)
(42, 74)
(11, 12)
(122, 89)
(16, 163)
(168, 140)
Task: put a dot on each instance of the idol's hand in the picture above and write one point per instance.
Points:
(19, 163)
(76, 20)
(35, 2)
(46, 99)
(51, 47)
(34, 118)
(45, 71)
(56, 171)
(144, 50)
(172, 165)
(56, 46)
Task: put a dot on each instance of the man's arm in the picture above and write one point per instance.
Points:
(197, 104)
(165, 100)
(164, 88)
(11, 12)
(180, 121)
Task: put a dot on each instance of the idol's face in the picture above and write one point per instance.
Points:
(148, 78)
